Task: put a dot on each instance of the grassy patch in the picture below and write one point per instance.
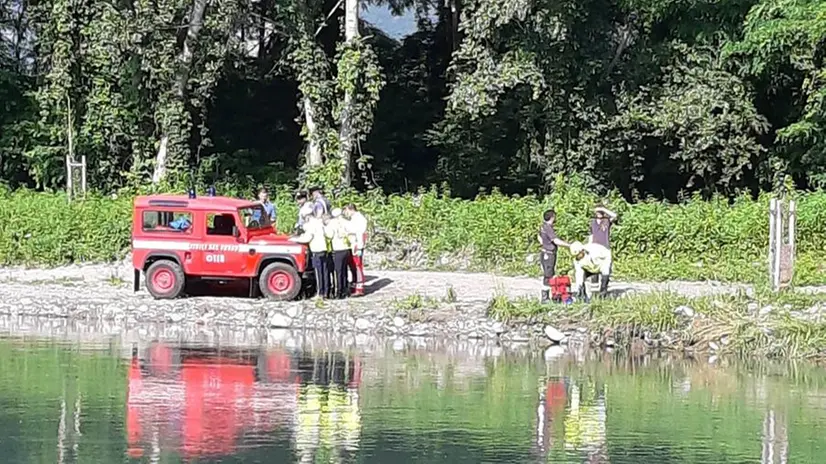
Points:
(420, 308)
(784, 325)
(450, 295)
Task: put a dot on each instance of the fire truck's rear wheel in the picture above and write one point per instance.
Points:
(165, 279)
(280, 281)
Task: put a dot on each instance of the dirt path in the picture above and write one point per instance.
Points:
(113, 281)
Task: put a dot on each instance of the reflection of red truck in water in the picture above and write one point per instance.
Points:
(199, 402)
(552, 402)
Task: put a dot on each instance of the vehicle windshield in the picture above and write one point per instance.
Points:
(255, 217)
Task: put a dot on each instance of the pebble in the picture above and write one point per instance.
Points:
(363, 324)
(293, 311)
(684, 311)
(398, 322)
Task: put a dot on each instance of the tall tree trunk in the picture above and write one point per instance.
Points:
(346, 132)
(196, 21)
(20, 28)
(313, 149)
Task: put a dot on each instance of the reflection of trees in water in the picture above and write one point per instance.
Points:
(775, 439)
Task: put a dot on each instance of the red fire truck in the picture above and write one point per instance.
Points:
(177, 239)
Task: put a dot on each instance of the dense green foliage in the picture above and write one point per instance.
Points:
(645, 97)
(695, 240)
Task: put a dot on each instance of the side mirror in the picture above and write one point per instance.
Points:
(235, 232)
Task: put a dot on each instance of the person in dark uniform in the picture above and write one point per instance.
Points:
(601, 225)
(549, 242)
(604, 219)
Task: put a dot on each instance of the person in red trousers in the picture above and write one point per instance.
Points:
(357, 228)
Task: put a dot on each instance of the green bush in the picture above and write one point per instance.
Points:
(42, 228)
(695, 240)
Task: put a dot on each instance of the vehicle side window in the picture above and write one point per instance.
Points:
(167, 221)
(220, 224)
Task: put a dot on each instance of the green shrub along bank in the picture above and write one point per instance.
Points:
(695, 240)
(787, 325)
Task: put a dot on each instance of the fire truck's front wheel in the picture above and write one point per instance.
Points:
(165, 279)
(280, 281)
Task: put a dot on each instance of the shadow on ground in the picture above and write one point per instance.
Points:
(376, 285)
(240, 288)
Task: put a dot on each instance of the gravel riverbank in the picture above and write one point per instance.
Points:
(398, 303)
(452, 304)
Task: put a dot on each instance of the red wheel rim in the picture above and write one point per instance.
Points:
(280, 282)
(163, 280)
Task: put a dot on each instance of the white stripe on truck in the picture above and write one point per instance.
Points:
(173, 245)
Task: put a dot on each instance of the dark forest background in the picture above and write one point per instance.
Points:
(648, 97)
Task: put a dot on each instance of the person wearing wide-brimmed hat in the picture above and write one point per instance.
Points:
(590, 259)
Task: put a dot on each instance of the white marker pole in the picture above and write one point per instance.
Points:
(772, 238)
(778, 245)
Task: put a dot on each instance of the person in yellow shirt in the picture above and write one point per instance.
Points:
(314, 235)
(336, 230)
(357, 225)
(590, 259)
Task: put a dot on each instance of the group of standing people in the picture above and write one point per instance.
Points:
(591, 259)
(336, 238)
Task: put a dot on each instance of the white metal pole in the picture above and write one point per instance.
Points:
(69, 177)
(792, 244)
(83, 174)
(778, 244)
(772, 238)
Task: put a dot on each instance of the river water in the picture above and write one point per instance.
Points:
(110, 401)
